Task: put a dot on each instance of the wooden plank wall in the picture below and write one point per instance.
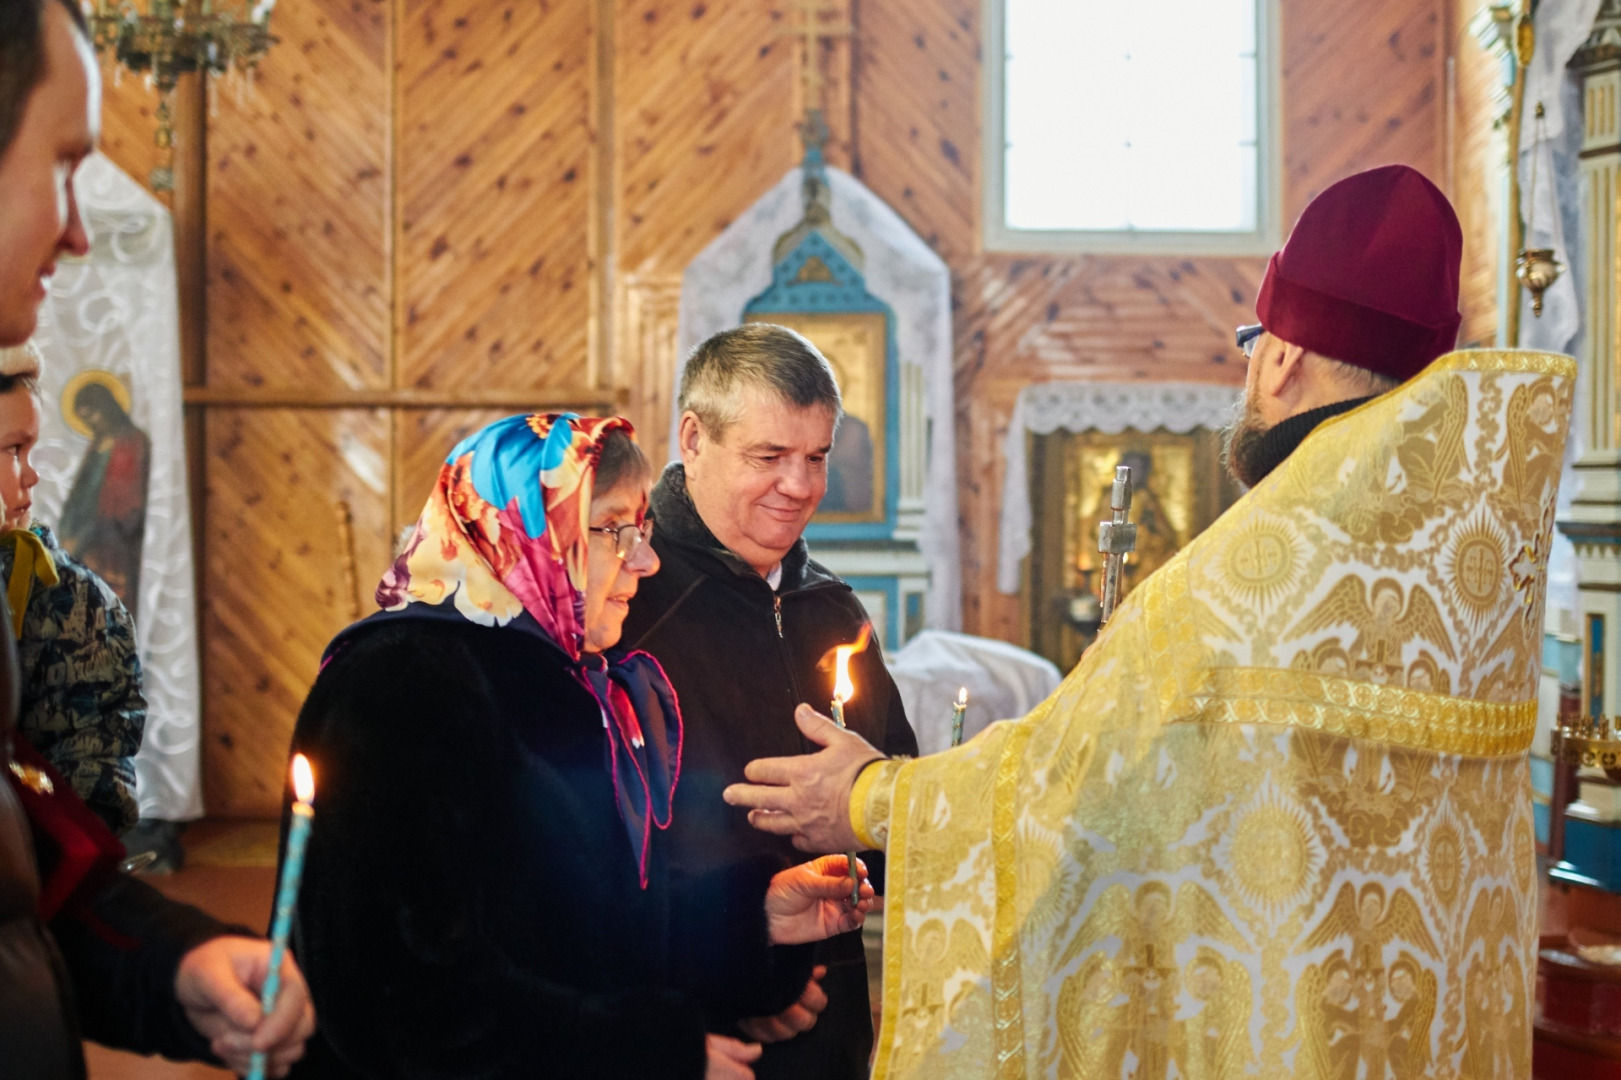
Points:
(1361, 85)
(1479, 173)
(429, 213)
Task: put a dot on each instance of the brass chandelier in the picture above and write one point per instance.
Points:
(165, 39)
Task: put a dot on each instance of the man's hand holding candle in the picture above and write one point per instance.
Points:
(218, 985)
(807, 797)
(292, 872)
(810, 902)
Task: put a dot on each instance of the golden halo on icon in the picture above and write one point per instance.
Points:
(70, 394)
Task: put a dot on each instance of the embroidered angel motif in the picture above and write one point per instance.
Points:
(1495, 991)
(1533, 451)
(1127, 1008)
(1362, 1017)
(1371, 921)
(1384, 625)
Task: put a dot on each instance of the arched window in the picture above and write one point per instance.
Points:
(1130, 126)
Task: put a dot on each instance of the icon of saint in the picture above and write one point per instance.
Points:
(103, 520)
(849, 468)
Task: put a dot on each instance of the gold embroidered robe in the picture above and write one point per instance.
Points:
(1277, 822)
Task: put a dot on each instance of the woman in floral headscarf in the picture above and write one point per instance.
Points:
(485, 892)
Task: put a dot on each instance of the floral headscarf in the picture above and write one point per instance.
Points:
(505, 529)
(504, 535)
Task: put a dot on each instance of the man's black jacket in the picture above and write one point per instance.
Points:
(741, 657)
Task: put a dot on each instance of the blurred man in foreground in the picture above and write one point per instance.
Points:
(84, 949)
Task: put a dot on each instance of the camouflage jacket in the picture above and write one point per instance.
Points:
(82, 705)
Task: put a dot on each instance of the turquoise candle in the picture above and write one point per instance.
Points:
(292, 872)
(956, 716)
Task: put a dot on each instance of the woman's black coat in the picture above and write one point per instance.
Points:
(470, 904)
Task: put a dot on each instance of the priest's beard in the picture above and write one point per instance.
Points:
(1243, 442)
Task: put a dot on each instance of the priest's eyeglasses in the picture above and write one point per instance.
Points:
(1247, 337)
(628, 539)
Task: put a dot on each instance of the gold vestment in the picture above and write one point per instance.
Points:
(1277, 822)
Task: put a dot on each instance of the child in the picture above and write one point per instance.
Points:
(82, 706)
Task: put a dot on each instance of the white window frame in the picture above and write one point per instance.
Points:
(1263, 240)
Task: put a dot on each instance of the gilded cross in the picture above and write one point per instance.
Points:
(812, 31)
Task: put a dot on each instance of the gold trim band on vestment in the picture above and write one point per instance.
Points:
(1526, 361)
(862, 823)
(900, 780)
(1362, 710)
(1485, 361)
(1007, 1009)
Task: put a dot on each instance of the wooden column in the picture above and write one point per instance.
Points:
(191, 222)
(601, 371)
(189, 212)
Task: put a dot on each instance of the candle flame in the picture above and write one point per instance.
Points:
(843, 688)
(303, 779)
(962, 697)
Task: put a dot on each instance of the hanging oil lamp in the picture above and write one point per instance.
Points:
(1537, 268)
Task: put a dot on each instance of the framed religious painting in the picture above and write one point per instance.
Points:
(856, 345)
(103, 519)
(1178, 489)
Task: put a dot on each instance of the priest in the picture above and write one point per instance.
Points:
(1277, 822)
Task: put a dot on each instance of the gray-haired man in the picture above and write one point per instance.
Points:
(741, 618)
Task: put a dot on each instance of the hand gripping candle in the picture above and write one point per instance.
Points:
(292, 870)
(843, 690)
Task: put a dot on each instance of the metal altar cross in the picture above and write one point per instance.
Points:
(812, 32)
(1116, 539)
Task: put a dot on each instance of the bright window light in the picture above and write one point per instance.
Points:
(1138, 117)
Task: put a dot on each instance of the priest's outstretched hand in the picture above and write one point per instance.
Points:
(808, 797)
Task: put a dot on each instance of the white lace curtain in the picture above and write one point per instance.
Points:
(1109, 408)
(118, 313)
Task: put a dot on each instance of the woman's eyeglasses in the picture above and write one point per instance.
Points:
(1247, 337)
(628, 539)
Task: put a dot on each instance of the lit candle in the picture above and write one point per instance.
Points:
(287, 894)
(843, 690)
(957, 710)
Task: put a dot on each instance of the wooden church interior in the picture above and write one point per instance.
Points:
(418, 216)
